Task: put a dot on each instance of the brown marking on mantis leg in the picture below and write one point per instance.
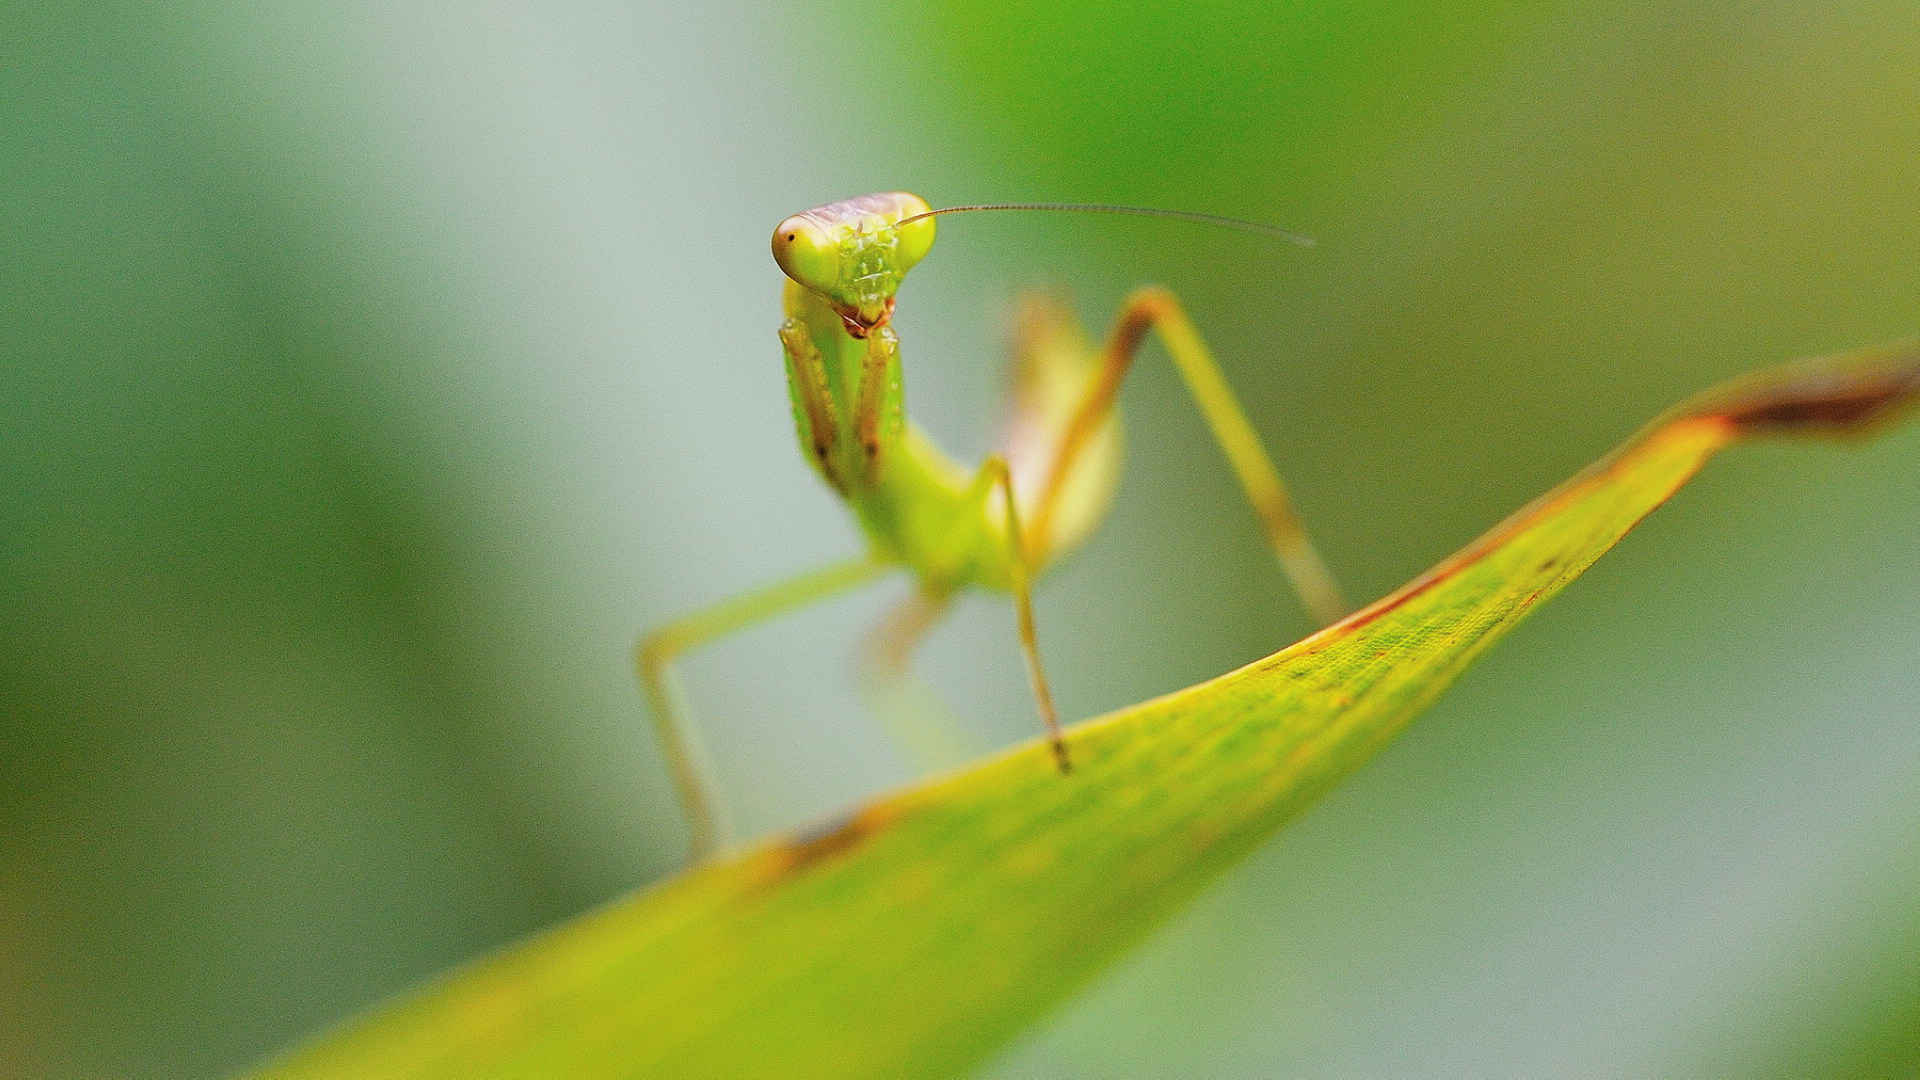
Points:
(1122, 344)
(878, 369)
(816, 400)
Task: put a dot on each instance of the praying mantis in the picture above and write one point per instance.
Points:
(998, 526)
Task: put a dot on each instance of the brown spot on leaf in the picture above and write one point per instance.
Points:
(815, 845)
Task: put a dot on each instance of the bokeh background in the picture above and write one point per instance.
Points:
(373, 373)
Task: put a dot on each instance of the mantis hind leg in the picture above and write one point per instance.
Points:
(1158, 310)
(673, 721)
(909, 708)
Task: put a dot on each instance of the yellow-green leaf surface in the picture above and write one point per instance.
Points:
(923, 930)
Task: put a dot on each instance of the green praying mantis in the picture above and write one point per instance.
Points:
(997, 526)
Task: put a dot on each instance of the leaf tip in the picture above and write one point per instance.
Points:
(1835, 395)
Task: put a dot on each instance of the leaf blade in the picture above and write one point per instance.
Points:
(922, 931)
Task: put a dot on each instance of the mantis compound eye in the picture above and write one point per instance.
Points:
(916, 235)
(807, 254)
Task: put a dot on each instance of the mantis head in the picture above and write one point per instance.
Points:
(854, 253)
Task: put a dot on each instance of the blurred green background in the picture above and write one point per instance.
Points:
(374, 373)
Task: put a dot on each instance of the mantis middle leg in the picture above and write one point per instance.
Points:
(994, 473)
(692, 776)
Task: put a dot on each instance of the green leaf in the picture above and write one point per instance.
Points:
(922, 931)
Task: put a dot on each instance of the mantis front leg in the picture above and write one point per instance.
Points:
(1157, 309)
(686, 761)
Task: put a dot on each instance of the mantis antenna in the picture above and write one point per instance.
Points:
(1260, 228)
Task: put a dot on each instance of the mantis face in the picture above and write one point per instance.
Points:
(854, 253)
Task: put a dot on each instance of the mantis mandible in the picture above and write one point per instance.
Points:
(997, 526)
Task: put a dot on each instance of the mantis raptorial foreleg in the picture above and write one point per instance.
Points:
(1157, 309)
(692, 776)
